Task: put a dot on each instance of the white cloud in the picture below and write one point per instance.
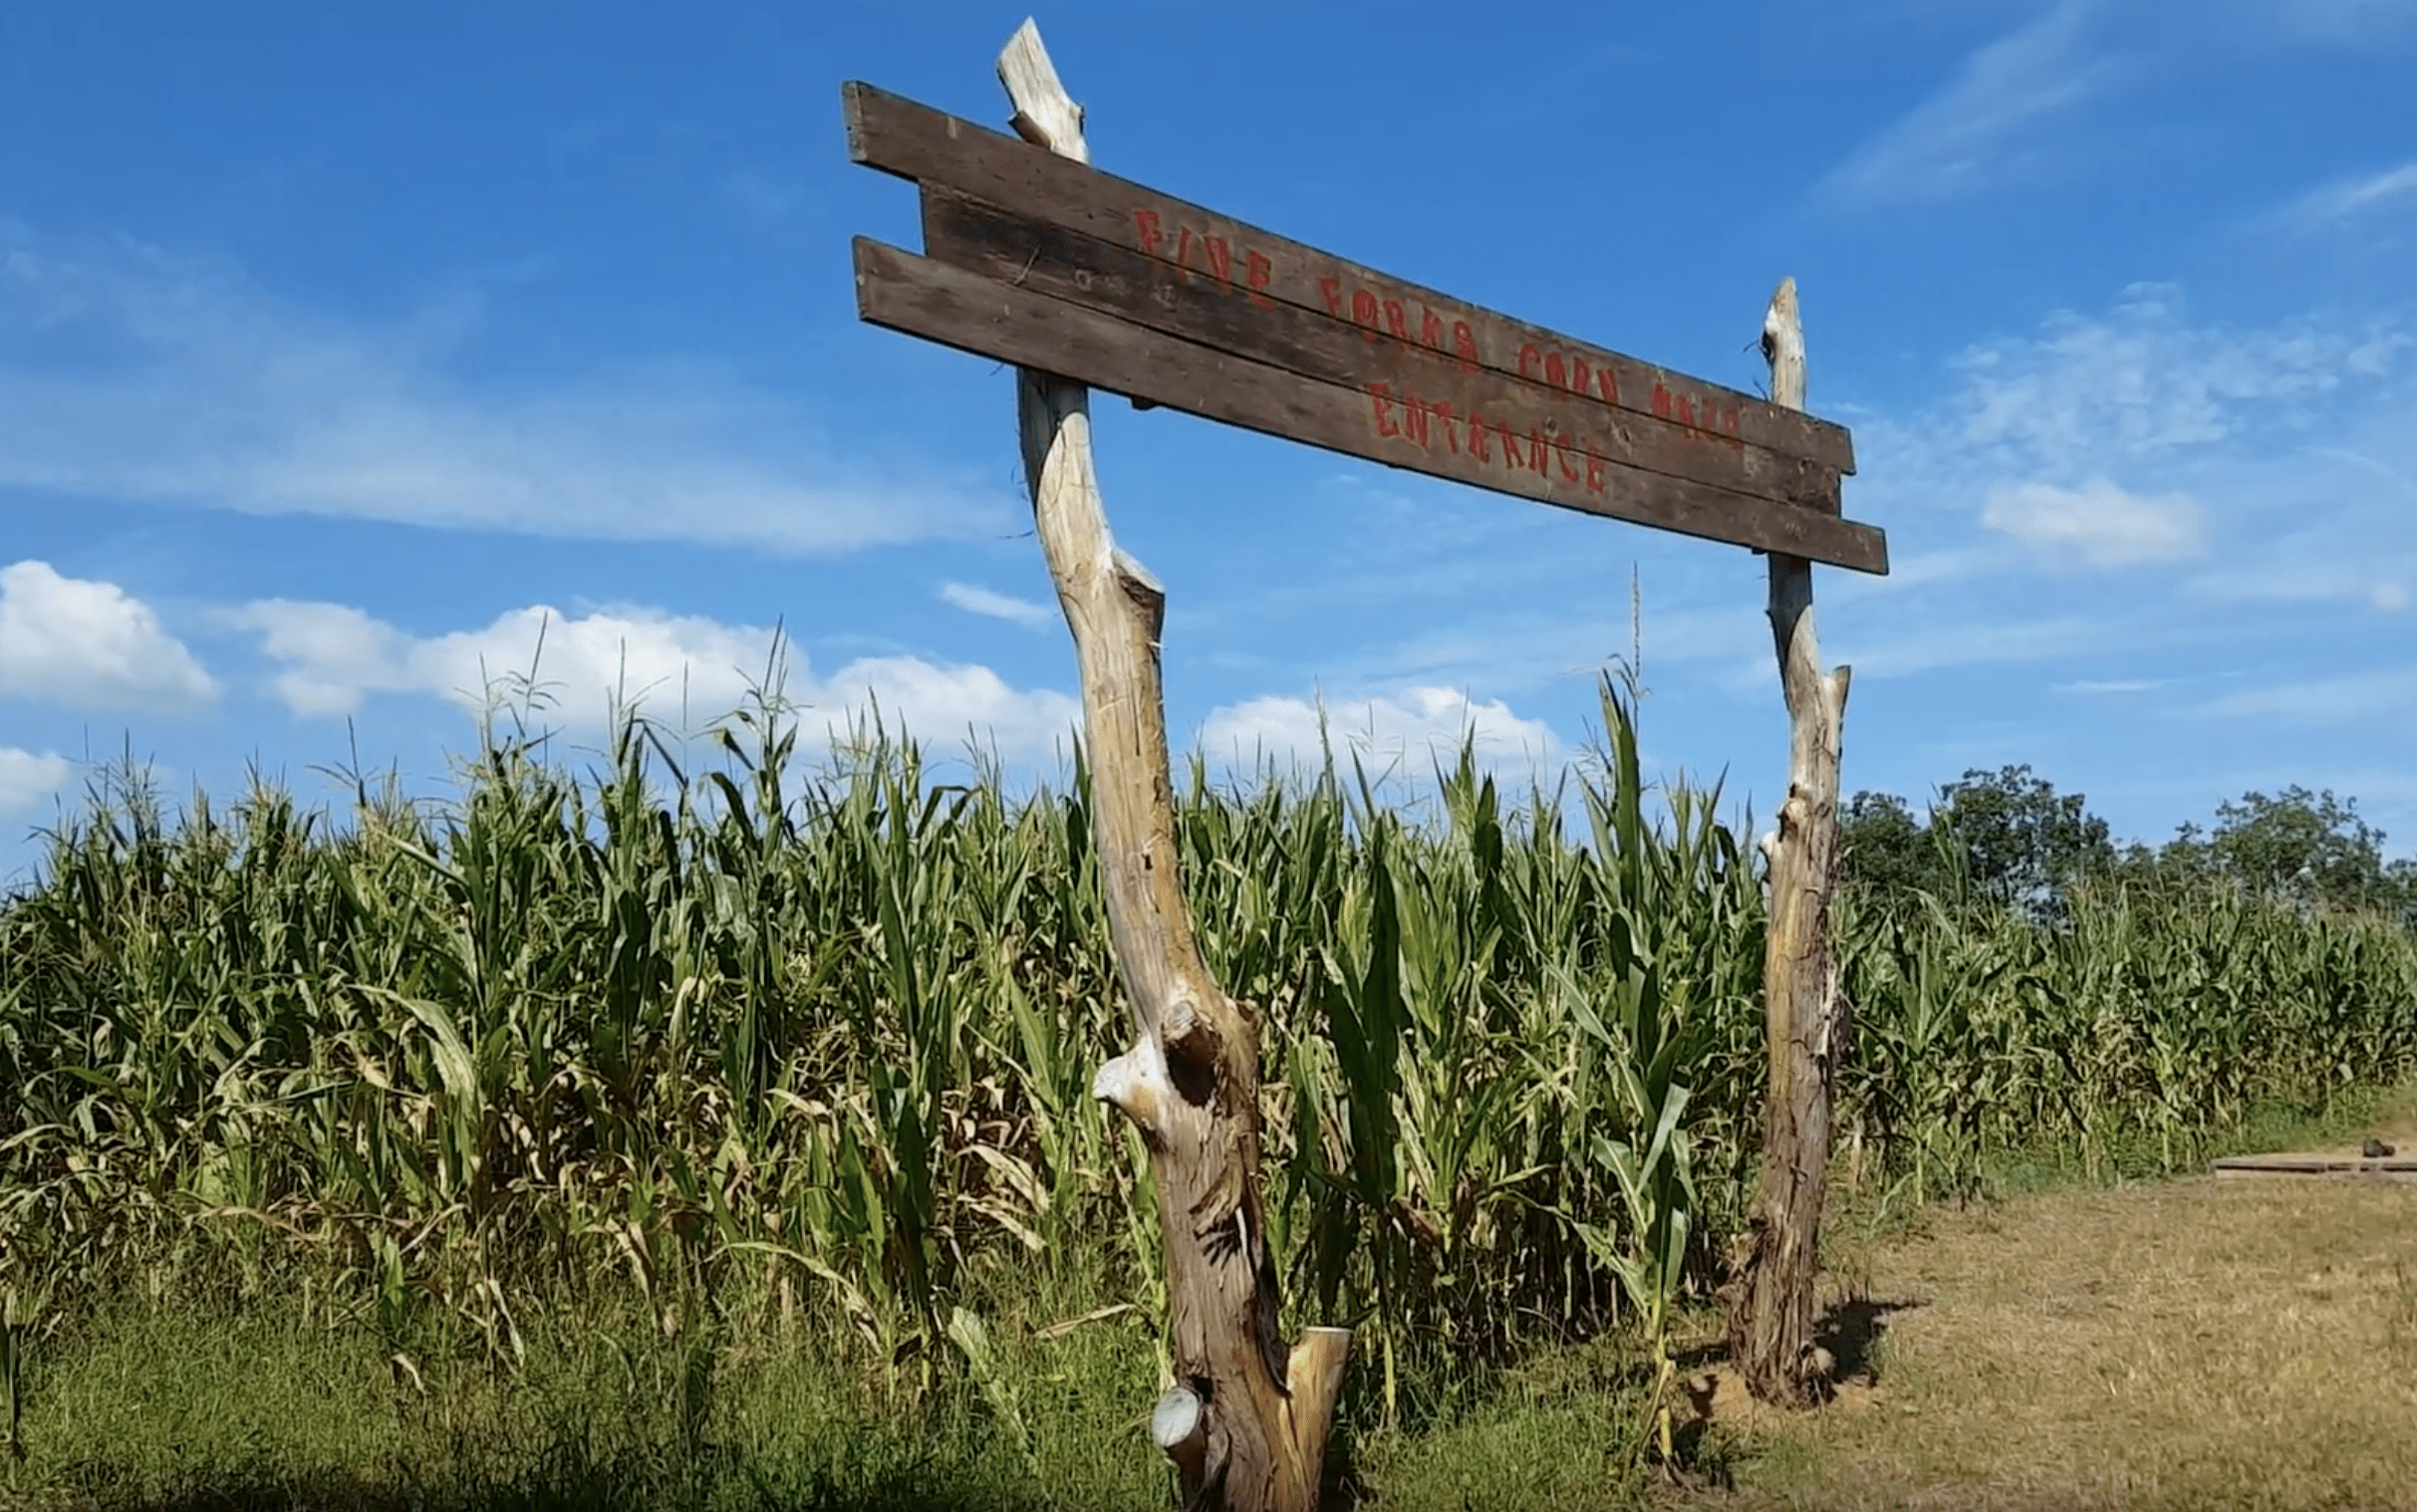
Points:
(2112, 686)
(938, 702)
(981, 600)
(27, 779)
(1404, 735)
(1966, 138)
(142, 378)
(677, 668)
(2099, 524)
(90, 645)
(335, 655)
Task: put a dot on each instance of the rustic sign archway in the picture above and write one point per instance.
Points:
(1081, 279)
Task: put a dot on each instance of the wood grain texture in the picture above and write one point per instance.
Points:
(1045, 258)
(1246, 1424)
(1770, 1294)
(920, 297)
(914, 141)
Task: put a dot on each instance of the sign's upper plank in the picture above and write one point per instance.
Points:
(914, 141)
(1446, 405)
(1046, 263)
(998, 318)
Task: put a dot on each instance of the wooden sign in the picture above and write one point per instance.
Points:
(1044, 262)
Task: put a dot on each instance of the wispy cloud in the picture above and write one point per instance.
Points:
(2392, 690)
(981, 600)
(766, 195)
(1936, 643)
(332, 657)
(2344, 21)
(1976, 132)
(2117, 686)
(131, 375)
(88, 645)
(2377, 576)
(2344, 198)
(2144, 382)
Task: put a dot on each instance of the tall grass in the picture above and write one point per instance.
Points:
(731, 1028)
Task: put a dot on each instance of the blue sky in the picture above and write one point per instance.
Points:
(343, 347)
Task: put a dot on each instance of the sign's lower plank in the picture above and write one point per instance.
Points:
(1049, 259)
(920, 297)
(898, 135)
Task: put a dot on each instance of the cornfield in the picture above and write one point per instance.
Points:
(741, 1029)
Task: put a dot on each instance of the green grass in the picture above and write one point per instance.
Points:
(260, 1402)
(226, 1402)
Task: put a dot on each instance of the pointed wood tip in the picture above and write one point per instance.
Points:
(1782, 310)
(1045, 115)
(1780, 319)
(1783, 347)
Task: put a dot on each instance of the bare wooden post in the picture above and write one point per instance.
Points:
(1770, 1294)
(1244, 1423)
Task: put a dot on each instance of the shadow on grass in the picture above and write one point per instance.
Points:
(1852, 1330)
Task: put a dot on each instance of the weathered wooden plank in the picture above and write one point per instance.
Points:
(964, 309)
(1050, 259)
(911, 140)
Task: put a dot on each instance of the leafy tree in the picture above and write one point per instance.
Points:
(2180, 865)
(1885, 849)
(2400, 882)
(2021, 843)
(2310, 846)
(2013, 840)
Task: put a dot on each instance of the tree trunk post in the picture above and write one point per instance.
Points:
(1769, 1293)
(1244, 1423)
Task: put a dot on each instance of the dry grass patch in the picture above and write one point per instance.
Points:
(2191, 1343)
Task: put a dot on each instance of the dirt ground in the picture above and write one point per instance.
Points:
(2183, 1344)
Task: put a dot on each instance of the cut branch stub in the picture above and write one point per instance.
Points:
(1246, 1425)
(1133, 1086)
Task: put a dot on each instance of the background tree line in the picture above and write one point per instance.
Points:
(2008, 837)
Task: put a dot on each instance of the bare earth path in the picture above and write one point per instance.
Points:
(2183, 1344)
